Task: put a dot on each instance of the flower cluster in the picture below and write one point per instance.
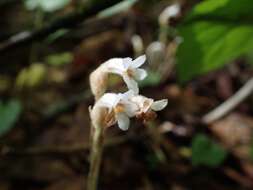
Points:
(111, 108)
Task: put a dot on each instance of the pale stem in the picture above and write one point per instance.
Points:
(230, 104)
(95, 158)
(157, 141)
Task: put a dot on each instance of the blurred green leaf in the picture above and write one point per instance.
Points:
(249, 58)
(56, 35)
(9, 114)
(46, 5)
(59, 59)
(152, 79)
(214, 33)
(31, 76)
(226, 10)
(152, 161)
(205, 152)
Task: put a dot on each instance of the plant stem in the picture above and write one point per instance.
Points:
(227, 106)
(157, 142)
(96, 156)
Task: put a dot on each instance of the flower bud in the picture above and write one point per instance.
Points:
(98, 81)
(101, 116)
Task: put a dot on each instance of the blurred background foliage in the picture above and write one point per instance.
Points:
(197, 59)
(228, 37)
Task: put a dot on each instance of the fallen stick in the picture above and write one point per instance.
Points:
(68, 21)
(230, 103)
(57, 150)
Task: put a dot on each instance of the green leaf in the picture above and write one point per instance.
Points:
(59, 59)
(205, 152)
(152, 79)
(249, 58)
(46, 5)
(214, 33)
(9, 114)
(56, 35)
(229, 10)
(32, 76)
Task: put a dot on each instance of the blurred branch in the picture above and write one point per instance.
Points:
(95, 26)
(81, 147)
(5, 2)
(64, 149)
(62, 106)
(230, 104)
(68, 21)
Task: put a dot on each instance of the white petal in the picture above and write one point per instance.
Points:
(142, 102)
(139, 99)
(139, 61)
(147, 104)
(115, 65)
(131, 84)
(127, 62)
(123, 121)
(167, 13)
(131, 109)
(127, 95)
(108, 100)
(159, 105)
(140, 74)
(173, 10)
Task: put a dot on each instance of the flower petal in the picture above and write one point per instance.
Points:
(140, 74)
(139, 61)
(108, 100)
(127, 62)
(123, 121)
(142, 102)
(147, 104)
(131, 84)
(131, 109)
(159, 105)
(115, 65)
(127, 95)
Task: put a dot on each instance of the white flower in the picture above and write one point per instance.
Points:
(119, 108)
(145, 104)
(169, 12)
(128, 69)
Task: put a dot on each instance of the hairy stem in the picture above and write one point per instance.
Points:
(95, 158)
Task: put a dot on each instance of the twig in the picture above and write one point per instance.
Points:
(67, 21)
(233, 174)
(6, 2)
(62, 106)
(230, 104)
(96, 26)
(63, 149)
(157, 142)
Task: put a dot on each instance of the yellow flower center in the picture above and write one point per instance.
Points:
(130, 73)
(119, 108)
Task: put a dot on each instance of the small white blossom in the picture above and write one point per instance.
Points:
(145, 104)
(169, 12)
(129, 70)
(119, 108)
